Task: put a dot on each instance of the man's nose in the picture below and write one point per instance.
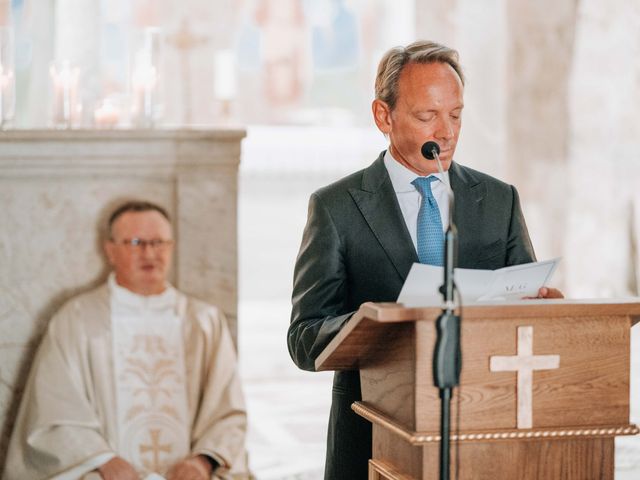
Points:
(444, 128)
(146, 249)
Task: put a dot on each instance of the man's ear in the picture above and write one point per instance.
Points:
(108, 247)
(382, 116)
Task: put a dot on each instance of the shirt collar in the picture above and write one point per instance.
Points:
(401, 177)
(124, 296)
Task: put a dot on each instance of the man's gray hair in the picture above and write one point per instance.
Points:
(395, 59)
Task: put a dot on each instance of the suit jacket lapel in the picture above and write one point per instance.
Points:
(379, 206)
(469, 193)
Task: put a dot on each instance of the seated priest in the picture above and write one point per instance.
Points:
(133, 379)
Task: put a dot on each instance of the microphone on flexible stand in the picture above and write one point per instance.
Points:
(431, 151)
(447, 356)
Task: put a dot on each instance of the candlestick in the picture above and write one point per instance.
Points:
(143, 84)
(145, 79)
(66, 108)
(7, 79)
(225, 83)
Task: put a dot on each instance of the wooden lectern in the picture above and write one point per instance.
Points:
(544, 388)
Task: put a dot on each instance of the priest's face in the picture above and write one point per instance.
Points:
(428, 108)
(140, 251)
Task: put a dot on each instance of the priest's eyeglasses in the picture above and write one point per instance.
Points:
(140, 244)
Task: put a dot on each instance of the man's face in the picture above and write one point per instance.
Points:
(141, 268)
(429, 107)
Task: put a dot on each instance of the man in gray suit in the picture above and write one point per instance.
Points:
(362, 233)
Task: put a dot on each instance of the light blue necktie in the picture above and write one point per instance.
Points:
(430, 235)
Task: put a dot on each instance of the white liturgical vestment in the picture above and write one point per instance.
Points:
(151, 379)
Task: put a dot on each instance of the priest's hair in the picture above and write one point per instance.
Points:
(135, 206)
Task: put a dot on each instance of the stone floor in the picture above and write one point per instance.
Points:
(288, 408)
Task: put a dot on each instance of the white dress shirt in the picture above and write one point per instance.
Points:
(410, 199)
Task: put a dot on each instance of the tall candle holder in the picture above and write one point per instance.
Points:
(66, 109)
(7, 78)
(225, 82)
(145, 79)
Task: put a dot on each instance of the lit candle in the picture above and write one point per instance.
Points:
(224, 81)
(6, 92)
(65, 94)
(7, 76)
(145, 78)
(107, 115)
(225, 85)
(143, 83)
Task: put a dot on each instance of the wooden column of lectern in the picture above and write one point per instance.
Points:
(544, 388)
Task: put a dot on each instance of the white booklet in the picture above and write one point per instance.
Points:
(421, 289)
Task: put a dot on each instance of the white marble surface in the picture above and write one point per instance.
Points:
(56, 190)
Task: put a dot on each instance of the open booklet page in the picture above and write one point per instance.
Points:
(421, 289)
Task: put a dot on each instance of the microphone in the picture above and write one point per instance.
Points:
(430, 150)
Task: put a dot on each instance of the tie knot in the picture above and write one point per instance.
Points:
(423, 185)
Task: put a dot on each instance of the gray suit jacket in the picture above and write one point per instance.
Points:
(356, 248)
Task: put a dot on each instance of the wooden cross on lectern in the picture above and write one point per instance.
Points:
(184, 40)
(525, 362)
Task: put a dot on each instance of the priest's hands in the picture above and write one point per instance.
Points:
(118, 469)
(192, 468)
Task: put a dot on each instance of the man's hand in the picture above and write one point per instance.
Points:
(192, 468)
(546, 292)
(118, 469)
